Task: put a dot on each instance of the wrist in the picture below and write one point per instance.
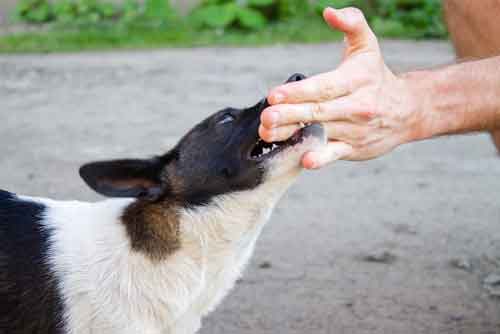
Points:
(436, 103)
(456, 99)
(417, 104)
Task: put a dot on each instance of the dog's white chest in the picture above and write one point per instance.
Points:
(108, 288)
(225, 272)
(222, 251)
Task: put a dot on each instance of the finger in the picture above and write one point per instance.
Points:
(333, 151)
(322, 87)
(277, 134)
(340, 109)
(353, 24)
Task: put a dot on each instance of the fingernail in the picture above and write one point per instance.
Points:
(272, 117)
(309, 162)
(349, 16)
(331, 9)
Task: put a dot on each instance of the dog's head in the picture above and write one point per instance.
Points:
(222, 154)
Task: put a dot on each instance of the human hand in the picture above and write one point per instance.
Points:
(366, 109)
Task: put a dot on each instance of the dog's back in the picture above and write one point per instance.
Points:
(29, 299)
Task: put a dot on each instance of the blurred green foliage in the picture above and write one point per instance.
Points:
(71, 25)
(34, 11)
(249, 14)
(228, 13)
(395, 18)
(93, 12)
(392, 18)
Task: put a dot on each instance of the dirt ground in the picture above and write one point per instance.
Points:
(402, 244)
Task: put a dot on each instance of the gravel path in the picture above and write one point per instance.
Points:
(397, 245)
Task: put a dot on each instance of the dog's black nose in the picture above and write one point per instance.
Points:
(296, 77)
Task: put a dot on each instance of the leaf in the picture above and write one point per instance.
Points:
(40, 14)
(130, 10)
(158, 9)
(260, 3)
(251, 19)
(24, 6)
(64, 11)
(216, 16)
(107, 9)
(36, 11)
(387, 27)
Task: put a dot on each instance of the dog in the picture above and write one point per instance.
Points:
(164, 250)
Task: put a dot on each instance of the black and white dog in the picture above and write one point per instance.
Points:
(163, 256)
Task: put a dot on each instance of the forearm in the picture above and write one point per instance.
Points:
(457, 99)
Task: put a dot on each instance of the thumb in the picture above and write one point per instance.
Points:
(352, 23)
(334, 150)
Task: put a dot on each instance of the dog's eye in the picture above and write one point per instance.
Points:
(226, 118)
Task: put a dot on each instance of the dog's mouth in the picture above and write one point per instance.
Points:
(263, 150)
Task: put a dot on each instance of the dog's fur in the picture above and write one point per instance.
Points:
(162, 257)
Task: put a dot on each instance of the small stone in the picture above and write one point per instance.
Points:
(494, 291)
(380, 257)
(422, 185)
(457, 318)
(461, 263)
(404, 229)
(492, 284)
(492, 279)
(265, 265)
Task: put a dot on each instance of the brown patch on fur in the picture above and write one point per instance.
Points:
(170, 177)
(153, 228)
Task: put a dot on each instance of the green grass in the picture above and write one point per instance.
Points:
(179, 34)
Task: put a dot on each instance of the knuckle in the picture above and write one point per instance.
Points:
(309, 88)
(366, 141)
(359, 135)
(367, 114)
(316, 111)
(327, 89)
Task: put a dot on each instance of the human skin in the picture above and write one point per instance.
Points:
(474, 29)
(368, 110)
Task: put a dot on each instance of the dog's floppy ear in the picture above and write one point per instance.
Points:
(125, 178)
(296, 77)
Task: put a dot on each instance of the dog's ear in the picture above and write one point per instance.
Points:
(125, 178)
(296, 77)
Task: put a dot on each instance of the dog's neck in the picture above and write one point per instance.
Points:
(157, 229)
(153, 227)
